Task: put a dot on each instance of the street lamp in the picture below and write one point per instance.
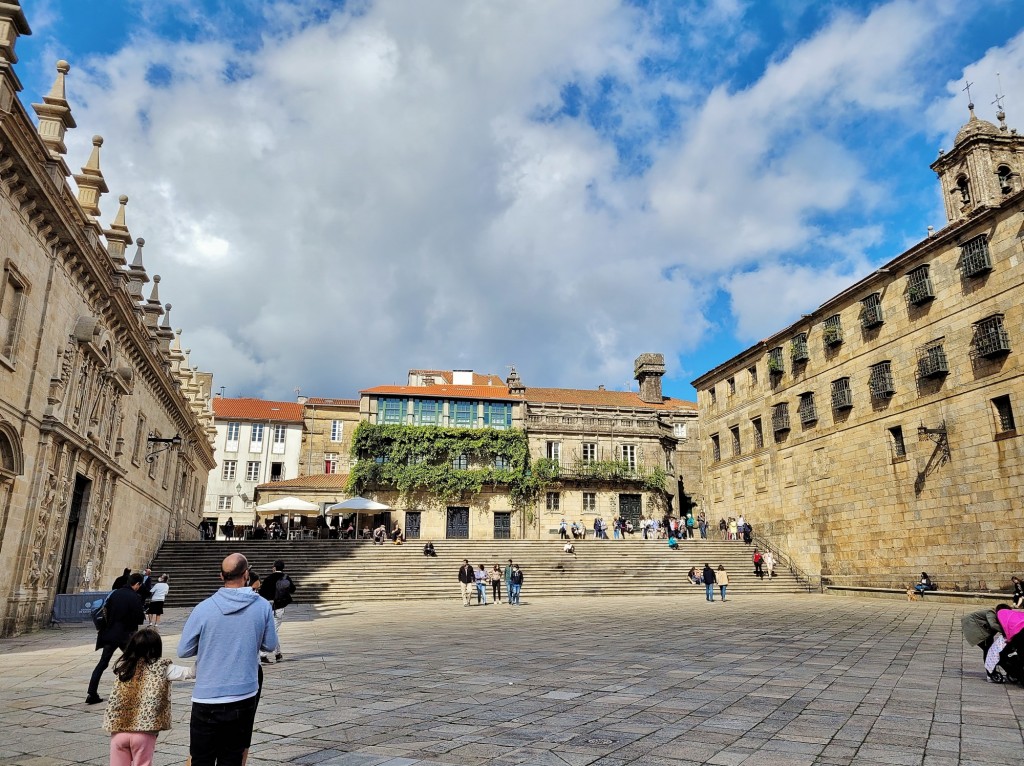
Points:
(174, 441)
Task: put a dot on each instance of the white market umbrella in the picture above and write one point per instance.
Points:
(288, 505)
(359, 504)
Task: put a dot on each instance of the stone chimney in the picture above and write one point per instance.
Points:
(648, 369)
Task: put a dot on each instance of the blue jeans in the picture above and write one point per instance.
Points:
(481, 592)
(513, 593)
(709, 588)
(722, 588)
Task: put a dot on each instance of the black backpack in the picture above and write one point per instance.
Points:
(99, 616)
(283, 592)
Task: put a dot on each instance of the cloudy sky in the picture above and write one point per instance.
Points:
(336, 192)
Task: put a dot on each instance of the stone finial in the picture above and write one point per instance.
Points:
(12, 25)
(152, 308)
(118, 236)
(165, 334)
(648, 370)
(90, 181)
(55, 114)
(137, 276)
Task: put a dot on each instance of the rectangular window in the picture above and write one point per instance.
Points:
(229, 470)
(231, 442)
(157, 458)
(919, 286)
(277, 471)
(775, 366)
(589, 502)
(553, 451)
(140, 438)
(752, 372)
(758, 433)
(224, 502)
(780, 417)
(990, 337)
(679, 430)
(256, 438)
(735, 431)
(899, 448)
(880, 381)
(462, 414)
(712, 394)
(501, 463)
(842, 395)
(12, 309)
(832, 331)
(731, 383)
(330, 462)
(931, 360)
(974, 257)
(391, 411)
(629, 455)
(252, 470)
(426, 412)
(337, 430)
(716, 449)
(808, 412)
(461, 463)
(1004, 414)
(497, 415)
(279, 435)
(871, 311)
(589, 452)
(553, 501)
(798, 348)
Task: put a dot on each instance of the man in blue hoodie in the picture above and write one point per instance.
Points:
(225, 634)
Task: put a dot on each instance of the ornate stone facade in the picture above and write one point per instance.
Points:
(878, 437)
(88, 372)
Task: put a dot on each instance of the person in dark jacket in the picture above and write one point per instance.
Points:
(121, 581)
(280, 596)
(124, 616)
(467, 581)
(709, 582)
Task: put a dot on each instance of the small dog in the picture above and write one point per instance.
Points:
(913, 595)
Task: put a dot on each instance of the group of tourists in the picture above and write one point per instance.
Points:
(477, 579)
(230, 634)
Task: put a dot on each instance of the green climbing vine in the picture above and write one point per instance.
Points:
(446, 463)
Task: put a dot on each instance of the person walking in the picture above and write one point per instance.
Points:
(689, 526)
(723, 580)
(709, 582)
(769, 564)
(156, 601)
(226, 633)
(723, 527)
(732, 530)
(516, 586)
(702, 524)
(480, 579)
(277, 588)
(496, 583)
(758, 564)
(508, 581)
(467, 582)
(563, 530)
(124, 616)
(140, 703)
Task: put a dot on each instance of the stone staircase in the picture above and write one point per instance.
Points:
(332, 572)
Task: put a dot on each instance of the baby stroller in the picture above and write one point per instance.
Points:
(1011, 660)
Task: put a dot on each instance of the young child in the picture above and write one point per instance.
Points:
(140, 703)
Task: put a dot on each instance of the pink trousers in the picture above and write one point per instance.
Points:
(132, 748)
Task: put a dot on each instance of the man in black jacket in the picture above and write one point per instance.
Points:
(124, 616)
(277, 589)
(467, 583)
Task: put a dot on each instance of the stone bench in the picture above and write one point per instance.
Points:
(943, 596)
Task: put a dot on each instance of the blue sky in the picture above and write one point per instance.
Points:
(336, 192)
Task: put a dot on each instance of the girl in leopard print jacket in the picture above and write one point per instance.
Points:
(140, 703)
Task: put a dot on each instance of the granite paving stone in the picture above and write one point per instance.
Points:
(777, 680)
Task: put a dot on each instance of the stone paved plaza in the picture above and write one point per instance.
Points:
(758, 680)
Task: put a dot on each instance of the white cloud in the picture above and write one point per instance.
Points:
(376, 194)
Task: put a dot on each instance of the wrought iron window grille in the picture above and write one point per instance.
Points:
(880, 381)
(806, 409)
(991, 338)
(780, 417)
(832, 332)
(798, 348)
(775, 366)
(974, 257)
(871, 311)
(842, 394)
(931, 361)
(919, 286)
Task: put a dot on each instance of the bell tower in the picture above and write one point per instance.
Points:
(985, 165)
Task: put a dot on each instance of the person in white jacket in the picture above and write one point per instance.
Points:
(157, 596)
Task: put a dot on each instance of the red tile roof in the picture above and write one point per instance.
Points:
(319, 400)
(316, 481)
(578, 396)
(257, 409)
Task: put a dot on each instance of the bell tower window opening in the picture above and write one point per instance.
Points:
(1003, 175)
(963, 188)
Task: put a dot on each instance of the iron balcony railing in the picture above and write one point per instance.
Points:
(871, 313)
(974, 257)
(990, 338)
(932, 362)
(842, 395)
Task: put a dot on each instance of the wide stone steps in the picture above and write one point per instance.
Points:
(331, 572)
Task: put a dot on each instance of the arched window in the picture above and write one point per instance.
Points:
(12, 459)
(1003, 174)
(964, 188)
